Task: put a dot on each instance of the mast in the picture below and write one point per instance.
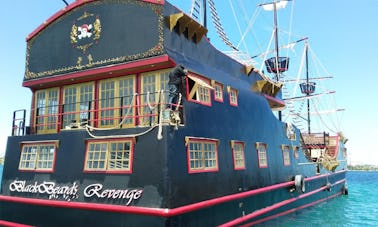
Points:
(276, 48)
(276, 64)
(204, 13)
(307, 93)
(308, 88)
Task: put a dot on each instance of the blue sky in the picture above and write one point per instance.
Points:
(342, 33)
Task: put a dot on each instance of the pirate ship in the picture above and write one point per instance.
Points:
(103, 149)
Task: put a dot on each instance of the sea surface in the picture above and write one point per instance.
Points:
(358, 208)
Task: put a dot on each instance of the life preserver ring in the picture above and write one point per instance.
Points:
(299, 183)
(329, 186)
(345, 189)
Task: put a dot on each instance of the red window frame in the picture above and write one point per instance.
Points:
(286, 151)
(190, 92)
(233, 145)
(218, 89)
(38, 144)
(259, 153)
(296, 152)
(191, 161)
(106, 169)
(231, 92)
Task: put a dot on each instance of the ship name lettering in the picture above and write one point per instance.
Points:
(96, 190)
(46, 187)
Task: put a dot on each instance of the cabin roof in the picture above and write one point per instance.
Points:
(67, 9)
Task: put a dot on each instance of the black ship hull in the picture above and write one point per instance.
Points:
(104, 148)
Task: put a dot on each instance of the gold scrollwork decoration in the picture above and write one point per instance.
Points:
(85, 15)
(84, 47)
(79, 64)
(73, 34)
(97, 29)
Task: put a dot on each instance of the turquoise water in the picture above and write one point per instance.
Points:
(359, 208)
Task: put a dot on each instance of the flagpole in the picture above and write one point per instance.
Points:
(204, 13)
(276, 38)
(276, 67)
(276, 48)
(308, 100)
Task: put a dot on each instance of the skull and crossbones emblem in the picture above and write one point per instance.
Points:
(85, 31)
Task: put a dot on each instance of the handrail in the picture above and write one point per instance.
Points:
(141, 110)
(18, 123)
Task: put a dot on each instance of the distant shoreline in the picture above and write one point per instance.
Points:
(362, 168)
(353, 170)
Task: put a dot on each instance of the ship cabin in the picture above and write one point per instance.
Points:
(99, 110)
(100, 117)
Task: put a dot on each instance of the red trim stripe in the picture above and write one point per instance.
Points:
(143, 210)
(103, 70)
(290, 211)
(165, 212)
(159, 2)
(274, 100)
(68, 8)
(56, 16)
(88, 206)
(257, 213)
(12, 224)
(324, 175)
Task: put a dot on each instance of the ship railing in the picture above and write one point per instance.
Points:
(18, 123)
(315, 140)
(135, 110)
(318, 146)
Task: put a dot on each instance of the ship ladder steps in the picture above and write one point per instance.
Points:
(291, 111)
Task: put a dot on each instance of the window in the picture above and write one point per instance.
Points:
(38, 156)
(198, 90)
(238, 154)
(290, 132)
(233, 96)
(152, 84)
(218, 92)
(345, 153)
(46, 112)
(109, 156)
(202, 154)
(286, 155)
(262, 155)
(117, 101)
(78, 103)
(295, 150)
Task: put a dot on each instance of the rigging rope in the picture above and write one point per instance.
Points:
(322, 121)
(303, 59)
(270, 42)
(148, 102)
(318, 61)
(159, 136)
(218, 26)
(290, 26)
(121, 136)
(195, 10)
(121, 123)
(160, 130)
(249, 26)
(237, 23)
